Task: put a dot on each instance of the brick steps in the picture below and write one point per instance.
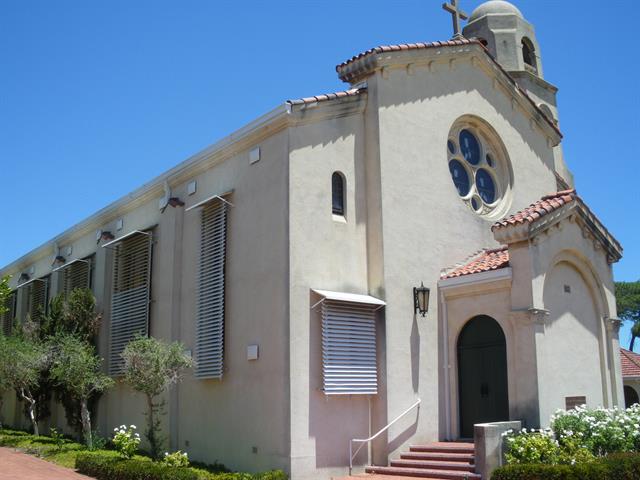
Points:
(424, 473)
(434, 465)
(453, 457)
(435, 461)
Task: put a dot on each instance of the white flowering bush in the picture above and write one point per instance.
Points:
(576, 436)
(602, 431)
(176, 459)
(126, 440)
(531, 446)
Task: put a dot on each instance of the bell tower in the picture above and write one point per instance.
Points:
(511, 40)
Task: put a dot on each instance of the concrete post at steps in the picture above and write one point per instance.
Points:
(489, 446)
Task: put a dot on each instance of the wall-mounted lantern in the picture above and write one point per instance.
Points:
(421, 299)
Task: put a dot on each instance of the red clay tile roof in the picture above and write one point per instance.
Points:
(328, 96)
(405, 46)
(488, 260)
(544, 206)
(630, 363)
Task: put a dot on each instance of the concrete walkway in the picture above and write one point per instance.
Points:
(19, 466)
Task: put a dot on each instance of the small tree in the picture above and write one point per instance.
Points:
(151, 367)
(4, 294)
(21, 363)
(628, 306)
(4, 384)
(76, 368)
(73, 314)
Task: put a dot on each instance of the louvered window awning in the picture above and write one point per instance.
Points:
(211, 289)
(36, 292)
(76, 274)
(9, 313)
(131, 293)
(349, 363)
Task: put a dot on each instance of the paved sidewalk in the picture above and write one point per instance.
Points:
(19, 466)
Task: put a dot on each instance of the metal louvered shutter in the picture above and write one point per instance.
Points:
(210, 321)
(349, 364)
(10, 313)
(76, 275)
(37, 297)
(131, 295)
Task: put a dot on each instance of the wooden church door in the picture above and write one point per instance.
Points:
(482, 374)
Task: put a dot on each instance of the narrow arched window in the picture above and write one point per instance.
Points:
(529, 54)
(337, 194)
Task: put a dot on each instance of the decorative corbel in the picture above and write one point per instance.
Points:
(538, 316)
(613, 324)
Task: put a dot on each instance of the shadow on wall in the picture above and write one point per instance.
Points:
(408, 91)
(415, 355)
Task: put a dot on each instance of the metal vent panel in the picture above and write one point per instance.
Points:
(211, 291)
(37, 298)
(349, 365)
(130, 297)
(76, 275)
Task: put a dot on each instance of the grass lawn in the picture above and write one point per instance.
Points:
(63, 453)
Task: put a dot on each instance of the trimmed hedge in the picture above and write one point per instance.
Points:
(623, 466)
(110, 466)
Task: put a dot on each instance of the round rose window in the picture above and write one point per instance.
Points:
(479, 168)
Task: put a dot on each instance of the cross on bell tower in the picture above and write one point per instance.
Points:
(456, 14)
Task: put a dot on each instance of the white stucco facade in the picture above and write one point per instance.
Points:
(404, 223)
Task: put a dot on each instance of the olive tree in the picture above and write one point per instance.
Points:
(76, 368)
(22, 362)
(151, 367)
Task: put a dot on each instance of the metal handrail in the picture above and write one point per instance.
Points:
(364, 441)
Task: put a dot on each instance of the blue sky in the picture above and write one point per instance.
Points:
(97, 98)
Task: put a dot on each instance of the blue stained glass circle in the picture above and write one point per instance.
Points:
(475, 204)
(485, 185)
(469, 147)
(460, 177)
(451, 146)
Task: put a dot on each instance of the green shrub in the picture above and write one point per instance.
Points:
(532, 447)
(110, 466)
(176, 459)
(612, 467)
(126, 440)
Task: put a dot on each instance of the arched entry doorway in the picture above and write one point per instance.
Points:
(482, 374)
(630, 396)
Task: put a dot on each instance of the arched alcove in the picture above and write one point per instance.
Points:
(482, 374)
(529, 54)
(630, 396)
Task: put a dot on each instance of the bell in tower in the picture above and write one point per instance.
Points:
(508, 36)
(511, 40)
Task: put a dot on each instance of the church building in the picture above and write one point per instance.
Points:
(408, 253)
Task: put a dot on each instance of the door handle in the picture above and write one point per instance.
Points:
(484, 389)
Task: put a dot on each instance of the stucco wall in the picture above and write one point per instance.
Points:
(241, 420)
(417, 108)
(566, 255)
(326, 252)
